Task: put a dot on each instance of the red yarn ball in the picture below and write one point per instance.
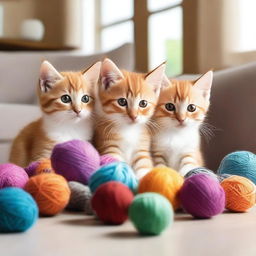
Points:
(111, 202)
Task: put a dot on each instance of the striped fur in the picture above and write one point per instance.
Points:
(60, 121)
(122, 131)
(176, 139)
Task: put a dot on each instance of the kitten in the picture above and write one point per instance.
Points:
(67, 102)
(126, 103)
(180, 112)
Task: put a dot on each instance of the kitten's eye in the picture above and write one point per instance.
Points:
(85, 99)
(143, 103)
(65, 98)
(122, 102)
(170, 107)
(191, 108)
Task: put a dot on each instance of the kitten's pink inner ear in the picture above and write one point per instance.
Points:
(165, 82)
(92, 73)
(205, 81)
(155, 77)
(48, 76)
(110, 73)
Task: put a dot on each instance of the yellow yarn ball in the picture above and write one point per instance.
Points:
(165, 181)
(240, 193)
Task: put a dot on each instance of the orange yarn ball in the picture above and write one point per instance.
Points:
(44, 166)
(50, 191)
(165, 181)
(240, 193)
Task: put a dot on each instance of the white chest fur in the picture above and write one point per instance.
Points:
(61, 131)
(130, 135)
(176, 143)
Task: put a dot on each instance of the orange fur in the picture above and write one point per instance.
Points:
(176, 139)
(34, 142)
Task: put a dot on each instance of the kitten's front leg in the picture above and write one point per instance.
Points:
(142, 163)
(190, 161)
(113, 150)
(159, 159)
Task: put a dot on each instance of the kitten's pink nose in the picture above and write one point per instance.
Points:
(133, 117)
(77, 111)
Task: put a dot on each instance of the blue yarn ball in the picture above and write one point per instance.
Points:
(201, 170)
(117, 171)
(241, 163)
(18, 210)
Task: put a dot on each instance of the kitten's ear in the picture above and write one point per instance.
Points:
(110, 73)
(48, 76)
(165, 82)
(92, 73)
(204, 83)
(156, 77)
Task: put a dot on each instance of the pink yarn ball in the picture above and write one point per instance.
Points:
(12, 175)
(107, 159)
(202, 196)
(76, 160)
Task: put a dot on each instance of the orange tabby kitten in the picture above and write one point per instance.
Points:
(67, 101)
(179, 114)
(126, 103)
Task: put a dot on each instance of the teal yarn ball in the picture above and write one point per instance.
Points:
(151, 213)
(117, 171)
(18, 210)
(241, 163)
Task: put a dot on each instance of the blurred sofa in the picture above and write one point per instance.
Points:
(231, 118)
(19, 77)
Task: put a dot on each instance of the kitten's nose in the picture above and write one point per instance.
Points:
(77, 111)
(133, 117)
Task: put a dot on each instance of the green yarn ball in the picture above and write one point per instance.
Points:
(151, 213)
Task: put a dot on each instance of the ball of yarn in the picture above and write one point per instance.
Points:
(76, 160)
(201, 170)
(12, 175)
(107, 159)
(18, 210)
(241, 163)
(118, 171)
(202, 196)
(111, 202)
(50, 191)
(80, 198)
(44, 166)
(30, 169)
(150, 213)
(165, 181)
(240, 193)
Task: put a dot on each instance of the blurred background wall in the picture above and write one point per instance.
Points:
(192, 35)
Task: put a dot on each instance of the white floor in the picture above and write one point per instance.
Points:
(230, 234)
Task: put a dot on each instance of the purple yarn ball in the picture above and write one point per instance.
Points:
(30, 169)
(76, 160)
(12, 175)
(107, 159)
(202, 196)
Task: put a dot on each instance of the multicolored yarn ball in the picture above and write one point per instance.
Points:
(117, 171)
(12, 175)
(18, 210)
(240, 193)
(80, 198)
(241, 163)
(202, 196)
(107, 159)
(111, 202)
(151, 213)
(201, 170)
(44, 166)
(165, 181)
(50, 191)
(76, 160)
(30, 169)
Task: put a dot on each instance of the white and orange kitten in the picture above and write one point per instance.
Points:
(126, 103)
(179, 114)
(67, 102)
